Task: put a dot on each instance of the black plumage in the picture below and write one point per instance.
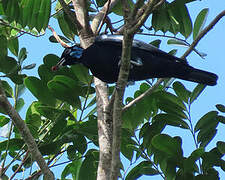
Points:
(103, 59)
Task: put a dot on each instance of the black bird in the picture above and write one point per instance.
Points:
(103, 59)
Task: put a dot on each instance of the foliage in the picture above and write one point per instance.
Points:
(63, 118)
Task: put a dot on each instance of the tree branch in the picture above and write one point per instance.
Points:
(203, 33)
(100, 16)
(25, 133)
(146, 93)
(118, 102)
(63, 44)
(104, 17)
(71, 15)
(85, 32)
(119, 93)
(104, 130)
(148, 8)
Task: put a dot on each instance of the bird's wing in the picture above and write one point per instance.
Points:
(117, 40)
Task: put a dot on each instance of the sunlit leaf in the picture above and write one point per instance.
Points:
(91, 163)
(177, 42)
(197, 91)
(13, 45)
(167, 144)
(221, 108)
(207, 122)
(221, 146)
(181, 91)
(200, 22)
(156, 43)
(143, 168)
(39, 90)
(22, 55)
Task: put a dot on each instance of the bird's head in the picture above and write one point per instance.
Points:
(70, 56)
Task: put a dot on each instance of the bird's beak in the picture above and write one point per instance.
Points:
(58, 65)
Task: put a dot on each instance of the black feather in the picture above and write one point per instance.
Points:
(103, 59)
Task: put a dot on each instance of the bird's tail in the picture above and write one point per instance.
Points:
(202, 77)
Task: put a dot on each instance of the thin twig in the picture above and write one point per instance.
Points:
(20, 31)
(63, 44)
(99, 17)
(172, 37)
(203, 33)
(20, 166)
(148, 92)
(104, 17)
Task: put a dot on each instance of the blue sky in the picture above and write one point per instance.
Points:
(212, 44)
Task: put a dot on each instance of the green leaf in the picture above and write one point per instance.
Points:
(65, 89)
(11, 9)
(200, 22)
(80, 143)
(221, 146)
(22, 55)
(19, 104)
(181, 91)
(39, 90)
(196, 154)
(33, 21)
(101, 3)
(118, 10)
(207, 122)
(8, 65)
(196, 92)
(71, 152)
(72, 168)
(126, 143)
(91, 163)
(13, 45)
(161, 19)
(221, 108)
(210, 159)
(82, 73)
(3, 121)
(43, 14)
(173, 52)
(170, 103)
(171, 98)
(168, 145)
(50, 148)
(89, 128)
(53, 39)
(12, 144)
(171, 119)
(149, 131)
(66, 26)
(8, 89)
(26, 14)
(3, 47)
(177, 42)
(30, 66)
(221, 119)
(53, 113)
(180, 18)
(156, 43)
(20, 90)
(143, 168)
(204, 137)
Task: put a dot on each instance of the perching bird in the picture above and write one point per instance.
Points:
(104, 55)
